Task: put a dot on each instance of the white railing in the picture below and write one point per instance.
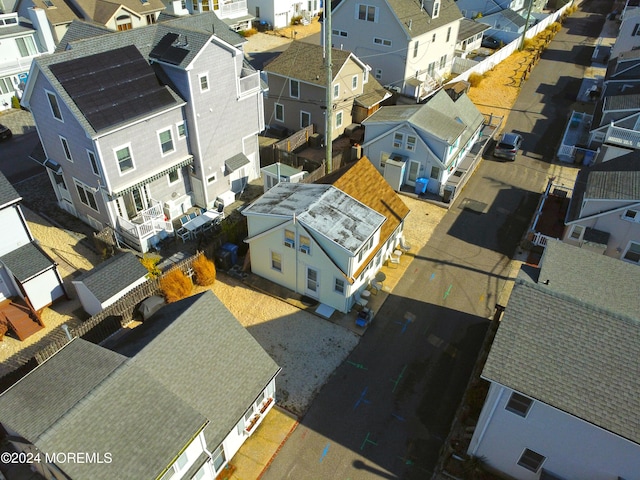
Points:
(249, 81)
(145, 225)
(540, 240)
(233, 9)
(623, 137)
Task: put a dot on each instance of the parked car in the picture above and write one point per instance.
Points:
(5, 133)
(508, 146)
(490, 42)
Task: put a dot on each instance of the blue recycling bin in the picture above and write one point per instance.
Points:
(421, 185)
(233, 251)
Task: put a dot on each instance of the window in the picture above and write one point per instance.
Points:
(305, 244)
(631, 215)
(340, 33)
(398, 140)
(6, 85)
(123, 22)
(182, 461)
(384, 156)
(576, 232)
(435, 173)
(436, 9)
(276, 261)
(633, 252)
(151, 19)
(365, 76)
(26, 46)
(433, 38)
(53, 103)
(531, 460)
(378, 73)
(411, 143)
(354, 82)
(336, 90)
(636, 30)
(443, 61)
(366, 12)
(279, 112)
(294, 89)
(431, 69)
(93, 162)
(448, 33)
(86, 196)
(182, 130)
(338, 119)
(305, 119)
(338, 285)
(519, 404)
(173, 176)
(382, 41)
(194, 5)
(125, 161)
(205, 5)
(415, 49)
(212, 179)
(218, 458)
(65, 149)
(204, 82)
(289, 239)
(166, 141)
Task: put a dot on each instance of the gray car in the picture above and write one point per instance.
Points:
(508, 146)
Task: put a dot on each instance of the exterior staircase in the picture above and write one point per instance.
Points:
(20, 319)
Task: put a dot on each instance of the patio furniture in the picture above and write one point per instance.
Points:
(184, 234)
(192, 215)
(196, 223)
(184, 219)
(393, 261)
(361, 301)
(375, 286)
(404, 245)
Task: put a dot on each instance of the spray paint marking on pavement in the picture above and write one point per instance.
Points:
(324, 452)
(362, 399)
(366, 440)
(397, 380)
(433, 275)
(446, 294)
(357, 365)
(398, 417)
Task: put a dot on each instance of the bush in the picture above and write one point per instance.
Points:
(296, 20)
(150, 262)
(175, 286)
(205, 271)
(475, 79)
(248, 33)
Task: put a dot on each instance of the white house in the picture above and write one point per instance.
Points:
(26, 271)
(326, 241)
(107, 282)
(627, 38)
(175, 397)
(279, 13)
(563, 371)
(408, 142)
(410, 45)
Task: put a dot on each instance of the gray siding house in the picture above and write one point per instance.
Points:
(139, 126)
(409, 44)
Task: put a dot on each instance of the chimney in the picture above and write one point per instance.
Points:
(43, 29)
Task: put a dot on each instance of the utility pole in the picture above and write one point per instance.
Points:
(329, 90)
(526, 25)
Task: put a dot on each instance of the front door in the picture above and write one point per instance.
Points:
(412, 172)
(312, 282)
(135, 201)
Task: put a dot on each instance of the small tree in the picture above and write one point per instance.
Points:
(205, 271)
(175, 286)
(150, 262)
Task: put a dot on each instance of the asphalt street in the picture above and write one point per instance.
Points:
(387, 409)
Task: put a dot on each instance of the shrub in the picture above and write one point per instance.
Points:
(150, 262)
(247, 33)
(475, 79)
(205, 271)
(175, 286)
(296, 20)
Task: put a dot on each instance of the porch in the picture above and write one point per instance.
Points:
(576, 134)
(149, 224)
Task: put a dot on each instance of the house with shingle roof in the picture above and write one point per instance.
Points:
(410, 44)
(326, 240)
(173, 398)
(563, 370)
(139, 126)
(604, 211)
(298, 83)
(280, 13)
(408, 142)
(107, 282)
(26, 271)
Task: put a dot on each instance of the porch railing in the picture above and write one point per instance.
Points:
(249, 81)
(232, 9)
(540, 240)
(145, 225)
(623, 137)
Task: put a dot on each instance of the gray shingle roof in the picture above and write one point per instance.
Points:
(206, 22)
(113, 275)
(199, 351)
(323, 209)
(8, 194)
(575, 344)
(410, 11)
(470, 28)
(27, 261)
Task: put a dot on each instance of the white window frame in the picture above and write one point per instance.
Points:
(367, 13)
(182, 126)
(631, 215)
(340, 33)
(173, 144)
(336, 90)
(626, 251)
(82, 189)
(66, 149)
(52, 96)
(28, 44)
(289, 239)
(177, 172)
(525, 460)
(93, 161)
(378, 73)
(133, 163)
(305, 244)
(275, 112)
(354, 82)
(398, 140)
(411, 144)
(382, 41)
(339, 285)
(339, 119)
(580, 236)
(291, 92)
(276, 261)
(519, 404)
(205, 77)
(302, 115)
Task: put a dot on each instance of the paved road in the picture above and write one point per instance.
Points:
(387, 409)
(14, 154)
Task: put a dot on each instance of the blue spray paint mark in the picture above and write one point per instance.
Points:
(324, 452)
(433, 275)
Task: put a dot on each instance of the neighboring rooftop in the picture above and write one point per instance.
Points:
(27, 261)
(8, 194)
(416, 21)
(574, 343)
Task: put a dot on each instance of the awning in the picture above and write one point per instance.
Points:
(236, 162)
(154, 177)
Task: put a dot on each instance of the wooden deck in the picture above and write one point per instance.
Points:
(19, 319)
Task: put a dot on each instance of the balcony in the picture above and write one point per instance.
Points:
(233, 9)
(144, 226)
(576, 133)
(249, 81)
(622, 137)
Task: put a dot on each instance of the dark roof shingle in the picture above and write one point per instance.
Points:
(113, 275)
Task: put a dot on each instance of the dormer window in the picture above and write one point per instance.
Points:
(436, 9)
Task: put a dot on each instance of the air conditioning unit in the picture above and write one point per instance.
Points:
(305, 249)
(289, 243)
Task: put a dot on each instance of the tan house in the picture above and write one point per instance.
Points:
(297, 90)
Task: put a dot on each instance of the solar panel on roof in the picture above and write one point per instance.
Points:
(163, 45)
(174, 55)
(112, 87)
